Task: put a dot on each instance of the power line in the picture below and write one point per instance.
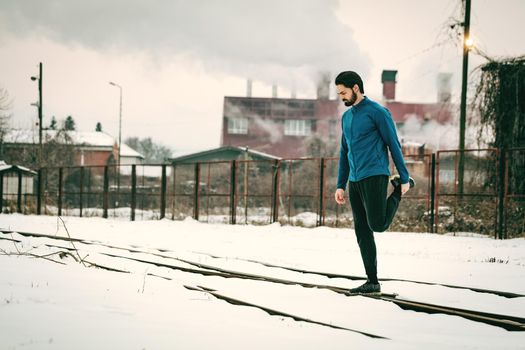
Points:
(422, 51)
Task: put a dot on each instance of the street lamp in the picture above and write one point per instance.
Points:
(119, 123)
(39, 105)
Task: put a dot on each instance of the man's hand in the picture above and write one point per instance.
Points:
(340, 196)
(405, 188)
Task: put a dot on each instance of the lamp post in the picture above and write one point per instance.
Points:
(119, 123)
(39, 105)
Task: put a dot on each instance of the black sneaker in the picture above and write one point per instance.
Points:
(395, 180)
(367, 288)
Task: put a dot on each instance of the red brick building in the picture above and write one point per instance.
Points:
(285, 127)
(439, 111)
(278, 126)
(90, 148)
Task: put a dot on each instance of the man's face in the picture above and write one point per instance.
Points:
(347, 95)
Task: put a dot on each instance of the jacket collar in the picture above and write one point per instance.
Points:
(363, 102)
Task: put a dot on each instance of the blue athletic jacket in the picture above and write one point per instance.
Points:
(368, 130)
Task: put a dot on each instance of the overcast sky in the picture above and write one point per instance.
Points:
(177, 59)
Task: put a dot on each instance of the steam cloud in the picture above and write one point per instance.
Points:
(439, 136)
(272, 41)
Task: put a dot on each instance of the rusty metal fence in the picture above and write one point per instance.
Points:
(476, 209)
(511, 214)
(289, 191)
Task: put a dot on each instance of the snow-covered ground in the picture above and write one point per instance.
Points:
(66, 305)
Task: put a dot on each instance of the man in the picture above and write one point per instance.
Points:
(368, 131)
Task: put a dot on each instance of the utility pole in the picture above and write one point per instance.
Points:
(39, 105)
(119, 133)
(467, 43)
(40, 113)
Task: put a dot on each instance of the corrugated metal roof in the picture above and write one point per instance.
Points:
(239, 150)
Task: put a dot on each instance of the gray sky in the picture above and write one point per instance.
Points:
(177, 59)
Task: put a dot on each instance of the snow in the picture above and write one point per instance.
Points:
(28, 136)
(65, 305)
(85, 138)
(126, 151)
(4, 167)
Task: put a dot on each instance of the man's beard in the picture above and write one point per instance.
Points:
(351, 101)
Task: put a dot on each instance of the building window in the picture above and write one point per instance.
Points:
(237, 125)
(295, 127)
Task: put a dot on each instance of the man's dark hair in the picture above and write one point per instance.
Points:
(349, 79)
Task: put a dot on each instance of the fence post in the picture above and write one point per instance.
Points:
(19, 194)
(196, 192)
(436, 195)
(1, 193)
(233, 187)
(105, 195)
(320, 220)
(81, 190)
(38, 195)
(275, 191)
(163, 193)
(174, 200)
(501, 193)
(60, 193)
(432, 192)
(133, 191)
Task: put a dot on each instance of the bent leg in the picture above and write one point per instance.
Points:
(380, 210)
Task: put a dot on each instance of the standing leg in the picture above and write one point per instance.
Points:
(365, 236)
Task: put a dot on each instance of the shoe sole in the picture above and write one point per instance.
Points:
(367, 294)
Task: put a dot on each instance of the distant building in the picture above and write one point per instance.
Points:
(277, 125)
(286, 126)
(439, 111)
(16, 182)
(90, 148)
(225, 153)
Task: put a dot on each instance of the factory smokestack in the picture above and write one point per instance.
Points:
(388, 78)
(444, 87)
(249, 88)
(323, 86)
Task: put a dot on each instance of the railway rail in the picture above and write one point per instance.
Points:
(508, 322)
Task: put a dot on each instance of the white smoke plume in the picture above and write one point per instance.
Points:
(271, 41)
(439, 136)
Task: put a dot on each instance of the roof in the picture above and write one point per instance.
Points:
(401, 111)
(4, 167)
(83, 138)
(224, 153)
(91, 138)
(126, 151)
(412, 143)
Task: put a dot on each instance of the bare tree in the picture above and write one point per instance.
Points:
(153, 152)
(58, 150)
(5, 115)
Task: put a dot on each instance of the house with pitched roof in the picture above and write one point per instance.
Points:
(90, 148)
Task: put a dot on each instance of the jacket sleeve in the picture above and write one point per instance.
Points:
(344, 167)
(387, 129)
